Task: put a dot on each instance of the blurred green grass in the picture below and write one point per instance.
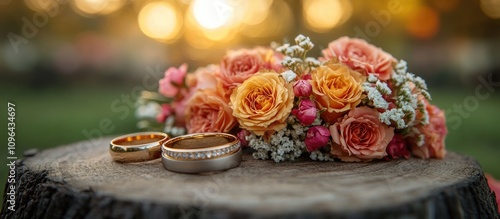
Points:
(55, 116)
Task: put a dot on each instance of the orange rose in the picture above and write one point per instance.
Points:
(208, 111)
(336, 89)
(360, 136)
(434, 135)
(262, 103)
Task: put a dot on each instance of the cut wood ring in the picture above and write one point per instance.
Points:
(137, 147)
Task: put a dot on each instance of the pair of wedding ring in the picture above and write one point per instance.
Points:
(193, 153)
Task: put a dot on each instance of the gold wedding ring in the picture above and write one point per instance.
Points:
(201, 152)
(137, 147)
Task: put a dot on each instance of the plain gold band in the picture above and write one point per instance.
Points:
(137, 147)
(201, 152)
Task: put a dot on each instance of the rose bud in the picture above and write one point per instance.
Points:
(302, 88)
(242, 137)
(397, 148)
(306, 113)
(317, 136)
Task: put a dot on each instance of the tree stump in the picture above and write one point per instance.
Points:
(81, 181)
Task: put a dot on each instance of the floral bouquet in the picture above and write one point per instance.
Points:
(354, 103)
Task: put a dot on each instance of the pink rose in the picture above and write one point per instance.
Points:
(306, 113)
(242, 137)
(302, 88)
(434, 135)
(360, 56)
(173, 80)
(166, 110)
(239, 65)
(360, 136)
(397, 148)
(495, 187)
(317, 136)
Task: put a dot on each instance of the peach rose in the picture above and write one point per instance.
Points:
(239, 65)
(336, 89)
(204, 78)
(360, 136)
(262, 103)
(360, 56)
(208, 111)
(434, 135)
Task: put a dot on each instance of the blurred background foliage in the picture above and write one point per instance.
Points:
(68, 65)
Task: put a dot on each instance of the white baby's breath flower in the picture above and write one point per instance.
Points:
(310, 61)
(289, 76)
(402, 66)
(372, 78)
(320, 156)
(375, 96)
(283, 48)
(394, 115)
(148, 111)
(383, 88)
(300, 38)
(294, 50)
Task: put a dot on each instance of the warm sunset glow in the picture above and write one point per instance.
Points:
(160, 20)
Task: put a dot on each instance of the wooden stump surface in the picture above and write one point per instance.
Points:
(81, 181)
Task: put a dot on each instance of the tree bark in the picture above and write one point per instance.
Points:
(81, 181)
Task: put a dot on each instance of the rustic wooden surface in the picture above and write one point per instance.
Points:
(81, 181)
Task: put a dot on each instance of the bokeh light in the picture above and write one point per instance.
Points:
(446, 5)
(38, 5)
(277, 23)
(423, 22)
(93, 7)
(324, 15)
(256, 11)
(491, 8)
(160, 21)
(212, 14)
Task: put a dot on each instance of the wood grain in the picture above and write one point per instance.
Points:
(81, 181)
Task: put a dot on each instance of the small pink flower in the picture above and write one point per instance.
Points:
(166, 110)
(306, 113)
(360, 56)
(173, 80)
(495, 187)
(397, 148)
(317, 136)
(360, 136)
(242, 137)
(302, 88)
